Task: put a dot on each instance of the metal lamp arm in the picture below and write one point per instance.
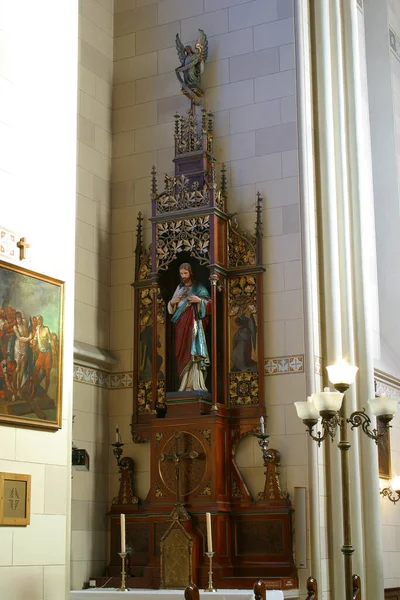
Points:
(360, 418)
(319, 438)
(391, 494)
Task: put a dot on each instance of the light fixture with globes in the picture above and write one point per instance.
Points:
(330, 407)
(327, 406)
(392, 491)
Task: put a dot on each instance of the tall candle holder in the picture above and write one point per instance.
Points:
(117, 451)
(210, 573)
(263, 442)
(123, 587)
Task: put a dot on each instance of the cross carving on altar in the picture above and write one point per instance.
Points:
(177, 457)
(22, 245)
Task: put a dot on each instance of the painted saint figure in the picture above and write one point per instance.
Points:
(21, 348)
(190, 306)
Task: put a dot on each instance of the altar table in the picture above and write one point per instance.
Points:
(113, 594)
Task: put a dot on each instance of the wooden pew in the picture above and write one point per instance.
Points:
(312, 589)
(356, 587)
(192, 592)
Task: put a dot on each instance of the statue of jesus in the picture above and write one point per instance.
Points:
(190, 306)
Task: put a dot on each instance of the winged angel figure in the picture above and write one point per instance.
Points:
(192, 66)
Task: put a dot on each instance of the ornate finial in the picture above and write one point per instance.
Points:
(210, 123)
(139, 243)
(259, 229)
(223, 180)
(153, 181)
(192, 66)
(204, 120)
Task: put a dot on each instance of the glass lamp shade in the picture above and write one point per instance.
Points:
(385, 405)
(395, 484)
(331, 401)
(342, 373)
(306, 411)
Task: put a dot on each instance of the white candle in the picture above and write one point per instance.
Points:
(123, 547)
(262, 425)
(117, 434)
(209, 534)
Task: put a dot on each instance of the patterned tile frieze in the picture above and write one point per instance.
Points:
(394, 42)
(8, 241)
(284, 365)
(386, 384)
(384, 388)
(102, 378)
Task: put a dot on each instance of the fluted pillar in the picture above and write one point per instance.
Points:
(345, 230)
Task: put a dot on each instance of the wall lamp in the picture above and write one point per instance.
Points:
(330, 407)
(392, 492)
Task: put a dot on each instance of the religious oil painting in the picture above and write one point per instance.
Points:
(15, 499)
(31, 331)
(384, 462)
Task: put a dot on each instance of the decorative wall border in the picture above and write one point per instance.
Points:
(99, 378)
(394, 43)
(386, 384)
(284, 365)
(8, 244)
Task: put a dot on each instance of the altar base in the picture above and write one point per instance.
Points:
(114, 594)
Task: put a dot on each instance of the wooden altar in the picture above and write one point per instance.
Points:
(193, 434)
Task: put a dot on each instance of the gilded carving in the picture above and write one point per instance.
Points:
(183, 235)
(243, 388)
(242, 295)
(241, 246)
(145, 306)
(145, 263)
(207, 490)
(159, 492)
(159, 436)
(179, 194)
(144, 397)
(206, 433)
(188, 135)
(236, 492)
(137, 438)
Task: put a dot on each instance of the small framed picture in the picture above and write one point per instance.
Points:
(15, 499)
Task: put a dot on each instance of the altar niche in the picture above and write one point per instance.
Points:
(171, 283)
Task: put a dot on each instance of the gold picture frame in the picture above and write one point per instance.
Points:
(384, 456)
(31, 342)
(15, 499)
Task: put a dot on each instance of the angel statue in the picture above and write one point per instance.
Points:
(192, 66)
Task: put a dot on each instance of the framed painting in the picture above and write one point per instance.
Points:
(31, 339)
(15, 499)
(384, 462)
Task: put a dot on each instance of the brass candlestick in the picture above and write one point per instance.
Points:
(210, 573)
(123, 588)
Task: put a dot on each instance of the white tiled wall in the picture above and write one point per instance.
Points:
(38, 106)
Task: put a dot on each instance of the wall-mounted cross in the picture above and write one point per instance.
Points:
(22, 245)
(178, 457)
